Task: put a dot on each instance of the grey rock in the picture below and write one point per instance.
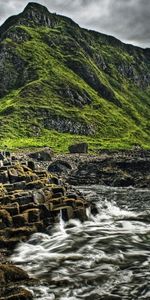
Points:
(44, 155)
(59, 166)
(79, 148)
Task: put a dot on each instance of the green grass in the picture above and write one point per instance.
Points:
(118, 122)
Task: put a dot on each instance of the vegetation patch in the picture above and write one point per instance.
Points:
(62, 84)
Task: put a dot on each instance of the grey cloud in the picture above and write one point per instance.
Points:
(127, 20)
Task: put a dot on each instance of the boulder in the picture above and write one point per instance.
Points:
(59, 166)
(43, 155)
(31, 165)
(78, 148)
(17, 294)
(12, 273)
(10, 278)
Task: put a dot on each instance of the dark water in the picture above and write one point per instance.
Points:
(107, 257)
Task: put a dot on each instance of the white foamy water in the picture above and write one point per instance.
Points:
(106, 257)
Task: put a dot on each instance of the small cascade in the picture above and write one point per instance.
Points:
(61, 223)
(105, 257)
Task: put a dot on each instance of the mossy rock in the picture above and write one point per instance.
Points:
(17, 294)
(12, 273)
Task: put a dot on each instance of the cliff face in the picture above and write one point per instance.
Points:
(56, 77)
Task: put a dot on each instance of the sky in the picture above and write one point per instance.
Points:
(128, 20)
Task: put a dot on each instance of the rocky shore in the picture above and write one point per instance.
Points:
(36, 188)
(31, 200)
(111, 168)
(116, 169)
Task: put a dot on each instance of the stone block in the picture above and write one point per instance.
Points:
(5, 217)
(9, 187)
(57, 190)
(78, 148)
(20, 220)
(24, 199)
(19, 185)
(25, 207)
(34, 185)
(4, 177)
(33, 215)
(13, 209)
(31, 165)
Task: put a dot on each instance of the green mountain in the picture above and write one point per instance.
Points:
(60, 83)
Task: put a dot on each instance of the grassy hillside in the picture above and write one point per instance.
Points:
(60, 84)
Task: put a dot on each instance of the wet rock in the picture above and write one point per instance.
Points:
(124, 181)
(34, 185)
(17, 294)
(19, 220)
(4, 177)
(113, 168)
(57, 195)
(5, 217)
(59, 166)
(33, 215)
(72, 196)
(54, 180)
(58, 190)
(30, 201)
(22, 200)
(31, 165)
(13, 209)
(30, 205)
(38, 197)
(80, 214)
(19, 185)
(10, 279)
(78, 148)
(21, 232)
(16, 174)
(11, 273)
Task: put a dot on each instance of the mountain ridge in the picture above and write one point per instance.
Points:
(87, 86)
(31, 5)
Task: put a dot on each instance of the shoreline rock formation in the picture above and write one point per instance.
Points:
(31, 199)
(34, 192)
(113, 168)
(122, 168)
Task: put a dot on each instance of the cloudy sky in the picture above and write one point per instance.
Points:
(128, 20)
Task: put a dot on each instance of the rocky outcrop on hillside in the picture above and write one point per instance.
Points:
(33, 15)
